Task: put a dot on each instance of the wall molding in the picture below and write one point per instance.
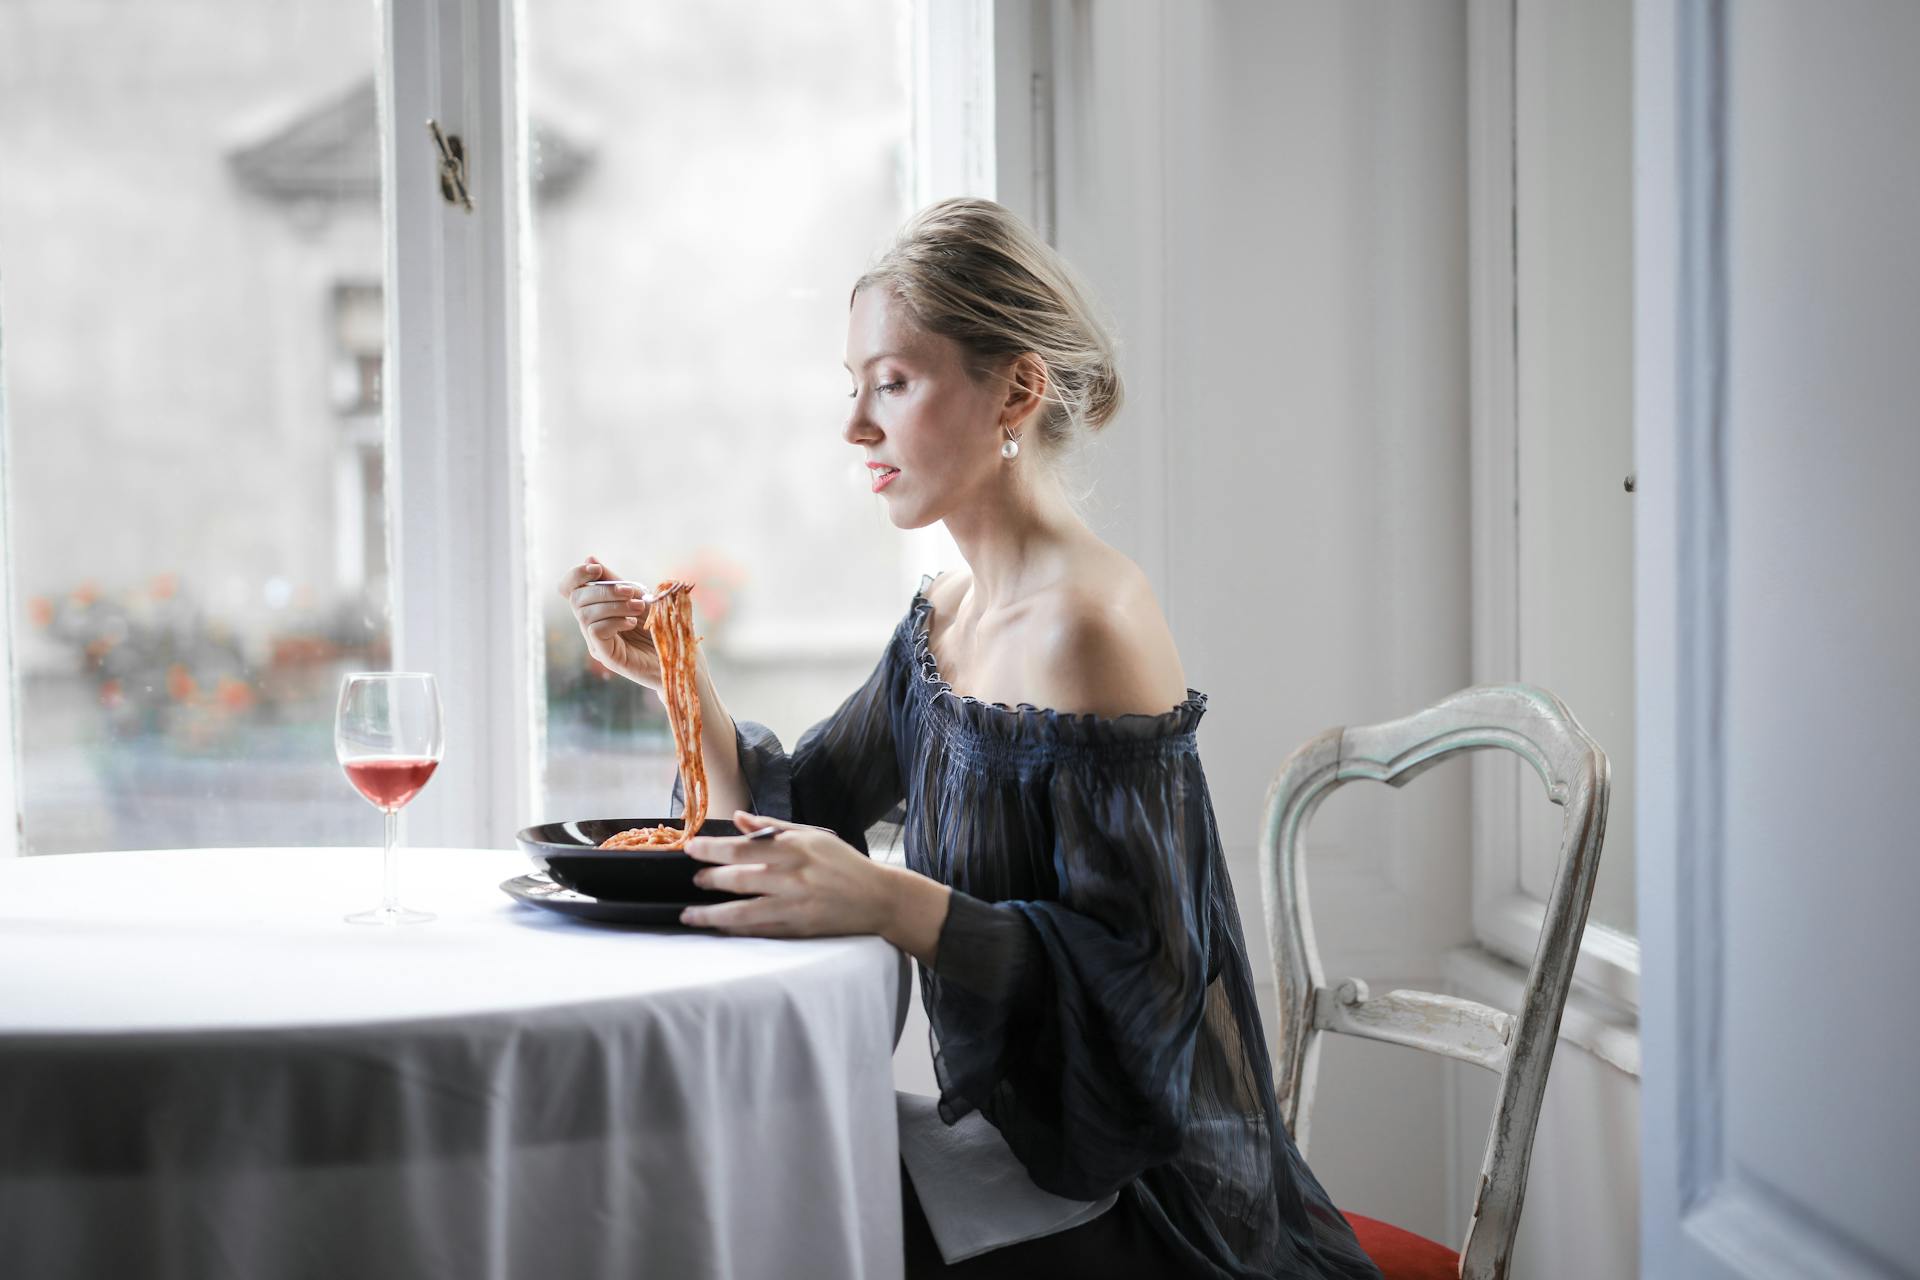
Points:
(1506, 918)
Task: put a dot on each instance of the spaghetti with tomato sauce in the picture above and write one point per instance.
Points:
(670, 624)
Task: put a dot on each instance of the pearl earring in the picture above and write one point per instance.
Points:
(1011, 448)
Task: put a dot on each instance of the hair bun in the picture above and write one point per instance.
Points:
(1104, 395)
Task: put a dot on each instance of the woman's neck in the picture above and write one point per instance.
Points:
(1015, 539)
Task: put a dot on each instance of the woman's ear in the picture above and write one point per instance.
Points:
(1026, 388)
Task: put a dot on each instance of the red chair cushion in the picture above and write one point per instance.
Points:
(1402, 1255)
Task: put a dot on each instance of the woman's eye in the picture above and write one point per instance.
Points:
(892, 386)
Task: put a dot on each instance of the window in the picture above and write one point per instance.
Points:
(276, 409)
(746, 163)
(195, 462)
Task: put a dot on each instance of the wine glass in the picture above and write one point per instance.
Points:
(388, 737)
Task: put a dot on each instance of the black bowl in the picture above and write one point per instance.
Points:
(568, 852)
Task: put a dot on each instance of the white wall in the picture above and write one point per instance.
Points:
(1580, 1219)
(1271, 201)
(1271, 204)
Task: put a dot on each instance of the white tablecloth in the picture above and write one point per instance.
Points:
(205, 1072)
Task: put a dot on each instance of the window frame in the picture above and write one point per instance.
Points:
(457, 408)
(1506, 918)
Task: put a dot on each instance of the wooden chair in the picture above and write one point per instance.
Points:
(1538, 726)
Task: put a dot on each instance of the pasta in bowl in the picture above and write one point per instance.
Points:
(645, 859)
(571, 855)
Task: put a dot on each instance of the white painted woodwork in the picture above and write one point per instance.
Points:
(1549, 197)
(1463, 1029)
(1778, 304)
(1023, 111)
(1572, 219)
(1582, 1220)
(455, 506)
(955, 47)
(1542, 731)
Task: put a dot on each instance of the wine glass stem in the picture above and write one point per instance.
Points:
(392, 870)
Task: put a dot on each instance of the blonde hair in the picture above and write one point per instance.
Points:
(971, 271)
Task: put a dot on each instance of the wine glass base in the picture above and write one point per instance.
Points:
(394, 915)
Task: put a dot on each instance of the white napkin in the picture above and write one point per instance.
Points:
(974, 1190)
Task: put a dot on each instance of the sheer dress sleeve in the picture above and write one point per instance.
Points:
(843, 775)
(1070, 1020)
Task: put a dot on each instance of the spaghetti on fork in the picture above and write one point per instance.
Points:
(670, 624)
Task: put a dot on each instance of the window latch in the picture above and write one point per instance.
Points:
(453, 167)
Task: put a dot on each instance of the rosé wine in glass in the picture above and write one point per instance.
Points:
(387, 735)
(389, 783)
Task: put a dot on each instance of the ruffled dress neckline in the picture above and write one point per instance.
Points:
(1026, 724)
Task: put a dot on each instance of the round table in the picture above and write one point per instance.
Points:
(206, 1072)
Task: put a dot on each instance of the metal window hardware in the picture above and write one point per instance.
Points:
(453, 167)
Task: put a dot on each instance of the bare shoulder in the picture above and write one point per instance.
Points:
(944, 592)
(1102, 645)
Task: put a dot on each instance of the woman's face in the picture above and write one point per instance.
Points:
(915, 408)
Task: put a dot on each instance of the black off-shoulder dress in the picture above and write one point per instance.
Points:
(1090, 993)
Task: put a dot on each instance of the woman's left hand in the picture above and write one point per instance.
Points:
(809, 882)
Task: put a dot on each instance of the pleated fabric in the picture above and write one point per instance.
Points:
(1090, 994)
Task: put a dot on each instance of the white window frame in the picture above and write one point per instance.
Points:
(456, 408)
(1506, 918)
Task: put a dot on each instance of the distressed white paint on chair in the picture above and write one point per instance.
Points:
(1539, 727)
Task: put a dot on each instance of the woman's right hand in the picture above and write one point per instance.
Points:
(613, 621)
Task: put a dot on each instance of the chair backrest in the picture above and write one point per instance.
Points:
(1538, 726)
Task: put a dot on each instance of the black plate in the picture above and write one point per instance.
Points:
(569, 853)
(537, 891)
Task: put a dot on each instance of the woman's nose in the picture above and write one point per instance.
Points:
(859, 428)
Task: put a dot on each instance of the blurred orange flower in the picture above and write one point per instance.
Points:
(85, 594)
(40, 610)
(234, 695)
(110, 695)
(164, 586)
(180, 685)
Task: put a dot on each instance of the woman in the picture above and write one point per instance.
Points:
(1065, 892)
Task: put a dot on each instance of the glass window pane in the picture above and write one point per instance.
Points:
(709, 181)
(190, 279)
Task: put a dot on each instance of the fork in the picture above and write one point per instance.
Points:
(673, 588)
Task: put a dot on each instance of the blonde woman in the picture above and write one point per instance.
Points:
(1065, 893)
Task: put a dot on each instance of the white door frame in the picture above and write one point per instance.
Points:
(1703, 1215)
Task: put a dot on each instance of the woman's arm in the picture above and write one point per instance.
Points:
(809, 882)
(916, 913)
